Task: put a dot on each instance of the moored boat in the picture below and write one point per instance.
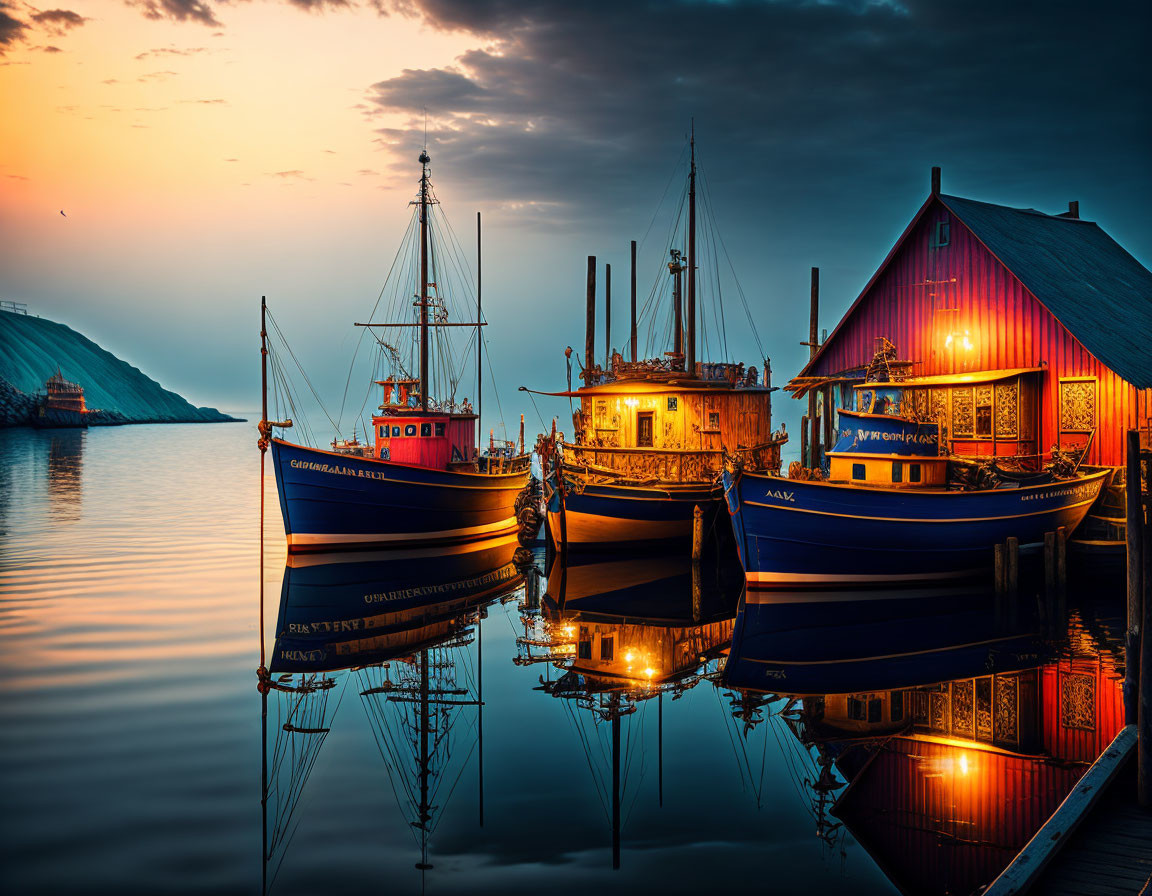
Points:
(421, 480)
(886, 514)
(651, 435)
(61, 406)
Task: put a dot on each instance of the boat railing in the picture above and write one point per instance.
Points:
(679, 465)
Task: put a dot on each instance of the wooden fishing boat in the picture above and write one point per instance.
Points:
(651, 435)
(61, 406)
(886, 514)
(423, 481)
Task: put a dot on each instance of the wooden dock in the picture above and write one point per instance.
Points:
(1098, 842)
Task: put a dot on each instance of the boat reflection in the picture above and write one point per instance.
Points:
(942, 736)
(625, 633)
(402, 629)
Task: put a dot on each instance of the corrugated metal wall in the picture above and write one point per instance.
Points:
(928, 292)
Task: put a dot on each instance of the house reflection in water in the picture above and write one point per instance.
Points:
(949, 779)
(65, 469)
(624, 633)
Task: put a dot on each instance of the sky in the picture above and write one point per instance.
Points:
(164, 163)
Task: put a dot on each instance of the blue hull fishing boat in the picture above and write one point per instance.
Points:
(887, 514)
(420, 479)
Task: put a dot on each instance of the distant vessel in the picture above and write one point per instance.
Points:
(62, 405)
(651, 435)
(422, 481)
(887, 513)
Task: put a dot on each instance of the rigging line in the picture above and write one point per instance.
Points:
(729, 724)
(671, 177)
(793, 774)
(718, 306)
(740, 291)
(299, 367)
(389, 768)
(601, 786)
(452, 790)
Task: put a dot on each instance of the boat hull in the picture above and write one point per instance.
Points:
(799, 534)
(604, 518)
(337, 502)
(46, 417)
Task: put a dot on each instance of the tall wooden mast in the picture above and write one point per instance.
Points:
(690, 335)
(424, 160)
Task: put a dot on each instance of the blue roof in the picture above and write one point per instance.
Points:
(1084, 277)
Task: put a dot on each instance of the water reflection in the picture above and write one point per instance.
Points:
(946, 731)
(622, 633)
(65, 469)
(397, 628)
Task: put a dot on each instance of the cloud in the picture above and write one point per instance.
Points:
(157, 76)
(58, 21)
(178, 11)
(212, 102)
(16, 176)
(172, 51)
(294, 174)
(47, 49)
(583, 103)
(12, 30)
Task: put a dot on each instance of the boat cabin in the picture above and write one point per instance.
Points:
(676, 429)
(406, 434)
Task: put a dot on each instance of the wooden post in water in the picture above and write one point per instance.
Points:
(1134, 534)
(1000, 569)
(590, 324)
(813, 344)
(634, 359)
(607, 317)
(697, 533)
(1061, 575)
(1012, 549)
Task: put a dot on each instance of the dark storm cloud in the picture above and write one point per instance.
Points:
(573, 102)
(177, 10)
(12, 30)
(59, 21)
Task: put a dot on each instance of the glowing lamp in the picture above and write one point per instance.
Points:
(631, 402)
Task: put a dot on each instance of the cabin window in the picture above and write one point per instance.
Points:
(875, 710)
(607, 648)
(439, 429)
(983, 412)
(644, 430)
(896, 705)
(867, 399)
(855, 709)
(913, 472)
(1077, 405)
(425, 429)
(385, 454)
(383, 431)
(858, 471)
(897, 471)
(713, 419)
(673, 402)
(941, 235)
(962, 412)
(395, 432)
(584, 650)
(410, 429)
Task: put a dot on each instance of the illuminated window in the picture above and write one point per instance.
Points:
(410, 429)
(672, 402)
(713, 419)
(858, 471)
(607, 648)
(425, 429)
(439, 429)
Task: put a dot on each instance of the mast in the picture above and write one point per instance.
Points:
(633, 331)
(424, 815)
(424, 160)
(479, 339)
(676, 269)
(690, 347)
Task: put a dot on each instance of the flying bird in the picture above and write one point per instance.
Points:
(62, 213)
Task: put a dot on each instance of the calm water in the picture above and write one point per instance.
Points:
(138, 755)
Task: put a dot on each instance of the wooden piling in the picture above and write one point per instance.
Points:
(813, 344)
(697, 533)
(1012, 550)
(1000, 576)
(1050, 580)
(590, 324)
(1061, 573)
(1134, 534)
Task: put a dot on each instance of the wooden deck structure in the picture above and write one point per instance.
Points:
(1097, 843)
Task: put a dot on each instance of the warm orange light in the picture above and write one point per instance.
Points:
(963, 763)
(649, 672)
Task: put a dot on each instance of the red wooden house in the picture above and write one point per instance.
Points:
(1027, 330)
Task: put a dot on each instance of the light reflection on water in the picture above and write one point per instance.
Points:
(131, 726)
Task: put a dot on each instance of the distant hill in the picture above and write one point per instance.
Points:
(32, 348)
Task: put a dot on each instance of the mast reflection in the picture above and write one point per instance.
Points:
(399, 629)
(942, 736)
(624, 633)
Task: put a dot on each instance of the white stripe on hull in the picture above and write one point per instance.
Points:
(591, 528)
(809, 580)
(431, 552)
(315, 541)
